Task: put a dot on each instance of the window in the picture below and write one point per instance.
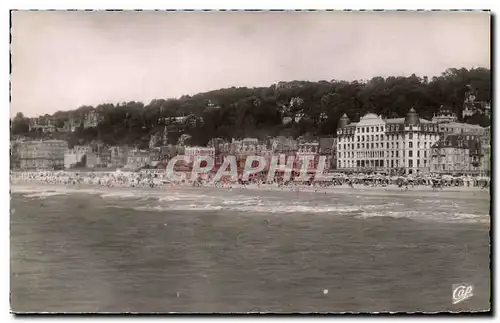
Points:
(397, 153)
(376, 145)
(425, 153)
(411, 134)
(376, 137)
(358, 145)
(425, 145)
(411, 144)
(392, 153)
(372, 145)
(371, 129)
(372, 137)
(418, 162)
(410, 153)
(363, 146)
(363, 130)
(344, 146)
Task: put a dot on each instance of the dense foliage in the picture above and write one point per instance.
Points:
(257, 112)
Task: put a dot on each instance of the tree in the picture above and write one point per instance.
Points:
(19, 124)
(240, 112)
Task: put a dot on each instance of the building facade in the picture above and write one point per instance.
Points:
(450, 156)
(138, 159)
(91, 119)
(195, 152)
(308, 150)
(328, 147)
(400, 145)
(119, 156)
(42, 154)
(461, 128)
(486, 152)
(444, 115)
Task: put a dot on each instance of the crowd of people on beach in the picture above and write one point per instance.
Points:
(151, 179)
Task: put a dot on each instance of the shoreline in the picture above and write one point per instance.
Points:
(416, 191)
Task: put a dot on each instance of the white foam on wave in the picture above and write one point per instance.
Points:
(169, 198)
(42, 195)
(297, 209)
(120, 195)
(255, 208)
(60, 190)
(381, 206)
(437, 216)
(189, 207)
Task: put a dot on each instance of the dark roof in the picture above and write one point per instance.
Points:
(344, 121)
(412, 117)
(459, 141)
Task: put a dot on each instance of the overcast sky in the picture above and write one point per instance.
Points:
(62, 60)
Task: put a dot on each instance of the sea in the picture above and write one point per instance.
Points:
(206, 250)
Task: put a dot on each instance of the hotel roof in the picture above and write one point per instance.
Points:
(402, 120)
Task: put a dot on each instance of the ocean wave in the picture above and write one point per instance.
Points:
(436, 216)
(256, 208)
(120, 195)
(43, 195)
(189, 207)
(169, 199)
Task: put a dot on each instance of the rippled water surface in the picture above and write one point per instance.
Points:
(215, 250)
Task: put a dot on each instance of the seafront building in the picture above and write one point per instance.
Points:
(457, 154)
(308, 150)
(486, 152)
(138, 159)
(461, 128)
(386, 145)
(76, 155)
(42, 154)
(328, 147)
(194, 153)
(404, 145)
(118, 155)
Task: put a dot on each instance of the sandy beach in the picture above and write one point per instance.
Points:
(416, 191)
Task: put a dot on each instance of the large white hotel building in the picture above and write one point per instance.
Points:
(386, 145)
